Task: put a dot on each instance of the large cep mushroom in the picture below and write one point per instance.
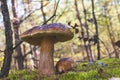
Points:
(46, 36)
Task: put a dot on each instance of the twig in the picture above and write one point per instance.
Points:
(34, 59)
(17, 45)
(78, 14)
(29, 52)
(1, 51)
(22, 20)
(63, 12)
(42, 10)
(54, 14)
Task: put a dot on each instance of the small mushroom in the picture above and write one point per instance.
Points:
(46, 36)
(65, 65)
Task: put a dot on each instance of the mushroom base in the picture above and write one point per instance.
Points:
(46, 63)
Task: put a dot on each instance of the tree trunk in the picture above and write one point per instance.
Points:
(20, 58)
(24, 52)
(35, 56)
(112, 38)
(82, 30)
(87, 32)
(9, 41)
(110, 32)
(96, 27)
(16, 25)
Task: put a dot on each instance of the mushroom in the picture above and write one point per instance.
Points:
(46, 36)
(65, 65)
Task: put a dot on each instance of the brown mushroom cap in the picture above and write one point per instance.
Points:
(59, 31)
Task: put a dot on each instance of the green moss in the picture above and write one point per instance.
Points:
(111, 60)
(81, 72)
(22, 75)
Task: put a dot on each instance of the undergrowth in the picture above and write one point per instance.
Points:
(82, 72)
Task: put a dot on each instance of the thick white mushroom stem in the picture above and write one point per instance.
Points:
(46, 63)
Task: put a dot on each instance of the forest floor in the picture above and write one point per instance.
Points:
(99, 70)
